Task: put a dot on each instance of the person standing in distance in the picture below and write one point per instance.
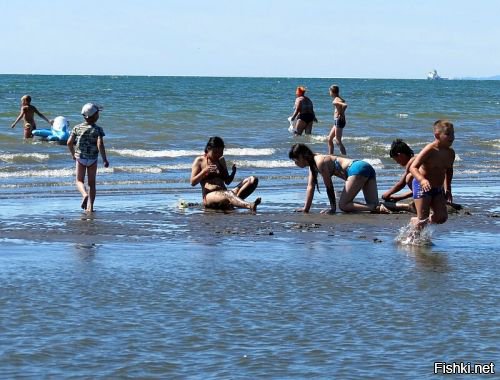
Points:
(339, 121)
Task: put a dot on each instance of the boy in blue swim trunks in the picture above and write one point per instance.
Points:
(432, 168)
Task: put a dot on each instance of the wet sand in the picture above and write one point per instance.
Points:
(165, 221)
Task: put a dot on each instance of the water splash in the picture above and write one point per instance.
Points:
(412, 235)
(182, 204)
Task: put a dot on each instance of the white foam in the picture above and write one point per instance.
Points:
(138, 169)
(150, 169)
(144, 153)
(264, 163)
(11, 157)
(469, 171)
(375, 162)
(249, 152)
(354, 138)
(39, 173)
(318, 138)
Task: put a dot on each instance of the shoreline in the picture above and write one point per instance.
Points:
(160, 221)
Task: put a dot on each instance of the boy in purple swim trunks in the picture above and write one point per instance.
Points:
(85, 143)
(432, 168)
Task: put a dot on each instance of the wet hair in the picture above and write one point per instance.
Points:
(27, 98)
(442, 125)
(400, 147)
(214, 142)
(303, 150)
(335, 89)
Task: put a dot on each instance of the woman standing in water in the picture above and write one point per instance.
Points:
(339, 121)
(303, 112)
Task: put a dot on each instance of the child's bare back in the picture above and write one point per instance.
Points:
(27, 113)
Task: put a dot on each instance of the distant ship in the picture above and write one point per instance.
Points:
(433, 75)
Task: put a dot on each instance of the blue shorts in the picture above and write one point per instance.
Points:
(419, 193)
(363, 168)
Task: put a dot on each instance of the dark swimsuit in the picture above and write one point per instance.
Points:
(307, 117)
(306, 111)
(215, 187)
(339, 122)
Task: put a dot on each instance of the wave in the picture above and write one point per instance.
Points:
(494, 142)
(375, 162)
(39, 173)
(153, 153)
(353, 138)
(324, 138)
(264, 164)
(143, 153)
(249, 152)
(150, 169)
(23, 157)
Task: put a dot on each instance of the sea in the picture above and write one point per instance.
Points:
(147, 287)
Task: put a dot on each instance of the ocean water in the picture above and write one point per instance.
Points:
(146, 289)
(155, 126)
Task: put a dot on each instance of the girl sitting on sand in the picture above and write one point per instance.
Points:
(358, 175)
(211, 172)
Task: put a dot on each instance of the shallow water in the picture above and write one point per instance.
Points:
(217, 310)
(159, 291)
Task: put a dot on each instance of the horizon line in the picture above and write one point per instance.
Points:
(493, 77)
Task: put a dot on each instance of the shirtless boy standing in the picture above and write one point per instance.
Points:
(210, 170)
(28, 112)
(432, 168)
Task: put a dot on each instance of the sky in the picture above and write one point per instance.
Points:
(254, 38)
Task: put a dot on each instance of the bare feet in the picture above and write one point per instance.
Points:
(419, 224)
(381, 209)
(253, 206)
(84, 202)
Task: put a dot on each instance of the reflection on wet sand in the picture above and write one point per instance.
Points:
(427, 258)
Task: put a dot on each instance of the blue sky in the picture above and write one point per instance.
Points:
(284, 38)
